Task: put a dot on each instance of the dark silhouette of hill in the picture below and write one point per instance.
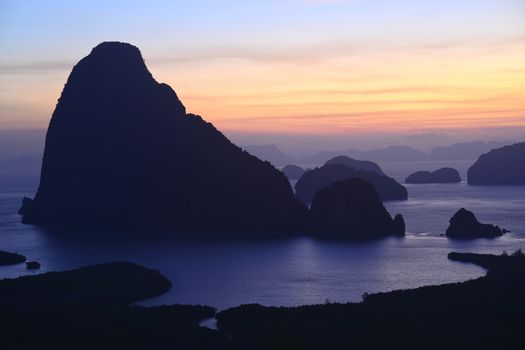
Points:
(293, 172)
(465, 225)
(484, 313)
(7, 258)
(33, 265)
(88, 308)
(356, 164)
(314, 180)
(502, 166)
(351, 209)
(465, 150)
(443, 175)
(121, 150)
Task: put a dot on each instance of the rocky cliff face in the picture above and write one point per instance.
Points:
(351, 209)
(121, 150)
(502, 166)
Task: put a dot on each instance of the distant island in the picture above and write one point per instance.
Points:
(33, 265)
(443, 175)
(502, 166)
(396, 153)
(314, 180)
(464, 225)
(121, 151)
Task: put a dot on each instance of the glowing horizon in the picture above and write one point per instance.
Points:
(325, 67)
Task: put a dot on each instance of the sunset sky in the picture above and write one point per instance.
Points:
(362, 69)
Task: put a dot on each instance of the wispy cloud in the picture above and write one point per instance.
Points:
(299, 54)
(34, 67)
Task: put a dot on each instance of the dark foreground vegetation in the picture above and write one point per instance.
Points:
(7, 258)
(485, 313)
(88, 308)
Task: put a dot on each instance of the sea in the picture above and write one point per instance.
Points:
(286, 272)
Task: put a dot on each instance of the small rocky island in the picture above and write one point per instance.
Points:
(7, 258)
(464, 225)
(440, 176)
(352, 209)
(293, 172)
(356, 164)
(32, 265)
(501, 166)
(386, 187)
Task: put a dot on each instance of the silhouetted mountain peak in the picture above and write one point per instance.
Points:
(116, 60)
(116, 71)
(113, 46)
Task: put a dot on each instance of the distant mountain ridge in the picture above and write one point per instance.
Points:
(388, 154)
(269, 153)
(465, 150)
(401, 153)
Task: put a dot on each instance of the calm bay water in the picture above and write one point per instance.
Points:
(294, 271)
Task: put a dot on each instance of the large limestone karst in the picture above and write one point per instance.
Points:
(121, 150)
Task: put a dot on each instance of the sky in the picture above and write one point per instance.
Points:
(329, 73)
